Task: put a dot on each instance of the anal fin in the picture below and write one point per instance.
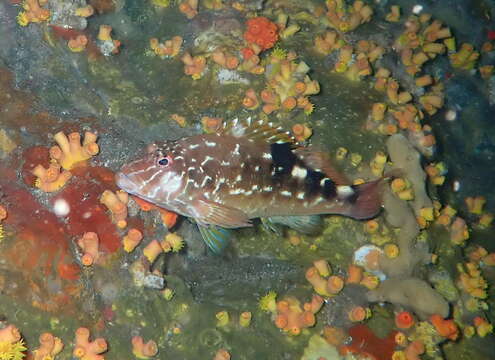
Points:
(306, 224)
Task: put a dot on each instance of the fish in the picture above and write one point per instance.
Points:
(246, 170)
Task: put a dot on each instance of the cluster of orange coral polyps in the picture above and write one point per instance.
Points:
(302, 132)
(10, 334)
(70, 152)
(194, 66)
(417, 44)
(465, 58)
(117, 204)
(33, 12)
(250, 101)
(459, 232)
(51, 179)
(224, 59)
(50, 346)
(414, 350)
(445, 328)
(168, 48)
(471, 281)
(211, 124)
(323, 286)
(88, 350)
(475, 204)
(343, 18)
(104, 34)
(89, 244)
(189, 8)
(292, 318)
(329, 41)
(78, 43)
(85, 11)
(143, 350)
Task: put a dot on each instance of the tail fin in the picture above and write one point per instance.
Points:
(366, 200)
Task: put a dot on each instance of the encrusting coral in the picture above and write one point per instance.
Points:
(70, 152)
(88, 350)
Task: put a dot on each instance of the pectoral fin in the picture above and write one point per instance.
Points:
(212, 213)
(215, 237)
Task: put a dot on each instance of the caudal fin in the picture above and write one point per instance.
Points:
(366, 202)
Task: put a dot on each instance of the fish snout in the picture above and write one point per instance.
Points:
(125, 183)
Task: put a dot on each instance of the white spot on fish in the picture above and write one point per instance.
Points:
(207, 158)
(236, 191)
(205, 180)
(225, 163)
(190, 168)
(254, 187)
(257, 168)
(248, 193)
(300, 196)
(193, 160)
(299, 172)
(267, 188)
(193, 146)
(210, 144)
(267, 156)
(285, 193)
(236, 149)
(238, 178)
(344, 190)
(322, 182)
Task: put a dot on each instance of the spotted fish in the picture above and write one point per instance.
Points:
(245, 171)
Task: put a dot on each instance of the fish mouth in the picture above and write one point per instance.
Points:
(125, 183)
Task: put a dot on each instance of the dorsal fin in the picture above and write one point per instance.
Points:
(257, 131)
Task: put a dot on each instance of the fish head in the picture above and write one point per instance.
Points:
(157, 176)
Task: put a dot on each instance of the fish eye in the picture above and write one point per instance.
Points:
(165, 161)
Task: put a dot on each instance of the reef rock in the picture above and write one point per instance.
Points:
(414, 294)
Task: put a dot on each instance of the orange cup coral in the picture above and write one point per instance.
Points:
(117, 204)
(404, 320)
(357, 314)
(445, 328)
(143, 350)
(51, 179)
(50, 346)
(261, 32)
(89, 244)
(88, 350)
(78, 43)
(132, 239)
(10, 334)
(70, 152)
(152, 250)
